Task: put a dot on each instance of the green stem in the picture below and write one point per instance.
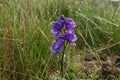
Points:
(62, 62)
(59, 62)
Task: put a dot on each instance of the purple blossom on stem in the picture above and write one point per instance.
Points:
(70, 24)
(56, 28)
(58, 45)
(63, 35)
(68, 34)
(71, 37)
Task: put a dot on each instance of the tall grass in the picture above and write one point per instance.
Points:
(25, 34)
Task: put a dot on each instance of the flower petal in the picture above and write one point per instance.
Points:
(70, 24)
(70, 37)
(56, 28)
(58, 44)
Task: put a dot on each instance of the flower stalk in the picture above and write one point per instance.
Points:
(62, 38)
(62, 61)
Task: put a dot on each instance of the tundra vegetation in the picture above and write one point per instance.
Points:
(25, 39)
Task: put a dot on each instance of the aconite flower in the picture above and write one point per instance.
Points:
(62, 36)
(57, 26)
(71, 37)
(58, 45)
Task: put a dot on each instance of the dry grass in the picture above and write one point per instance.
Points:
(25, 36)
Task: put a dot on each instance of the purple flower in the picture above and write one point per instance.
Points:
(58, 45)
(60, 39)
(71, 37)
(68, 35)
(62, 20)
(56, 28)
(70, 24)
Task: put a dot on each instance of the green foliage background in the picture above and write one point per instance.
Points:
(25, 34)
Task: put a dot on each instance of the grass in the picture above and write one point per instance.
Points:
(25, 35)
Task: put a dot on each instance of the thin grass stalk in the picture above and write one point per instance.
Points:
(62, 61)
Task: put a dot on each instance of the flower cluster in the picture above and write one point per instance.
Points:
(63, 30)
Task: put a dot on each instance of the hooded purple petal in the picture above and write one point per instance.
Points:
(57, 47)
(70, 24)
(58, 44)
(62, 17)
(71, 37)
(62, 20)
(60, 39)
(56, 28)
